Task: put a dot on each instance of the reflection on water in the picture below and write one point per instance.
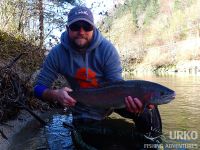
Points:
(182, 114)
(58, 137)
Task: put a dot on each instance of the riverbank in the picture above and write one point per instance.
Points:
(12, 127)
(181, 68)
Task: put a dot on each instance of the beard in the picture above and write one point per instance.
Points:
(80, 42)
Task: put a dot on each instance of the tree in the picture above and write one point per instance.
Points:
(143, 11)
(13, 15)
(34, 19)
(53, 17)
(41, 22)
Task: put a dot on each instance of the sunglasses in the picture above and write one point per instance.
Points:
(81, 24)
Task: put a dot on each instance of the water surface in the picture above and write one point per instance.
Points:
(183, 113)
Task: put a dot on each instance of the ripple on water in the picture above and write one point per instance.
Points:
(59, 137)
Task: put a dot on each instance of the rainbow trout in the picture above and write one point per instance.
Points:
(113, 95)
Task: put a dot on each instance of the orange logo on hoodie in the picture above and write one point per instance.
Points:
(86, 79)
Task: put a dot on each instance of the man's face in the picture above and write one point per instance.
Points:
(80, 34)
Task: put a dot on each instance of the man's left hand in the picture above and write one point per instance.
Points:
(133, 105)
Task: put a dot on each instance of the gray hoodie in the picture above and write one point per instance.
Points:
(99, 64)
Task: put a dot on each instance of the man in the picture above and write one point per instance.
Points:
(87, 59)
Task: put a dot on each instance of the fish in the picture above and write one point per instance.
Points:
(113, 95)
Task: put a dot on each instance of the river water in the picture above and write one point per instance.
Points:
(180, 118)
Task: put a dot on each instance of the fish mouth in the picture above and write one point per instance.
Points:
(173, 95)
(168, 98)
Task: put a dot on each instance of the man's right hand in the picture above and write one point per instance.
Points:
(61, 96)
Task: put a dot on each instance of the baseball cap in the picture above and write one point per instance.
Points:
(80, 13)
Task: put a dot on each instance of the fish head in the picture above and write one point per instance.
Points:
(158, 94)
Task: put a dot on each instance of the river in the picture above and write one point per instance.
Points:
(180, 118)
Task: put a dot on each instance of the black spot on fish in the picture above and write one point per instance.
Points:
(162, 93)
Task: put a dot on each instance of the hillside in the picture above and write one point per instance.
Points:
(12, 46)
(19, 59)
(168, 41)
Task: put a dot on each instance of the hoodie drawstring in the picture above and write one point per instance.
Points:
(86, 65)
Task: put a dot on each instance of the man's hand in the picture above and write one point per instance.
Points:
(133, 105)
(61, 96)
